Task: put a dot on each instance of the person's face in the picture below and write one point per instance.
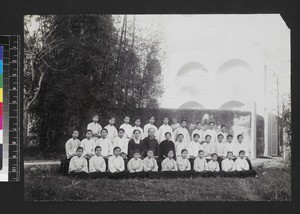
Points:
(242, 155)
(95, 119)
(240, 139)
(126, 119)
(211, 125)
(166, 121)
(223, 129)
(150, 154)
(75, 134)
(183, 124)
(229, 139)
(79, 152)
(170, 154)
(151, 120)
(196, 138)
(151, 133)
(230, 156)
(104, 134)
(136, 156)
(214, 157)
(201, 155)
(180, 138)
(137, 123)
(184, 154)
(117, 152)
(88, 135)
(98, 152)
(136, 135)
(207, 139)
(220, 139)
(174, 120)
(199, 126)
(168, 136)
(112, 121)
(121, 134)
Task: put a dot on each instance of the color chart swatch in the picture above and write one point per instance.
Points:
(1, 104)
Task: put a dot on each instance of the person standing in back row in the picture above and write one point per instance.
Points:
(127, 127)
(210, 131)
(95, 127)
(182, 130)
(112, 130)
(163, 129)
(151, 125)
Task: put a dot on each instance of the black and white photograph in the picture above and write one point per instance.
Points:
(160, 107)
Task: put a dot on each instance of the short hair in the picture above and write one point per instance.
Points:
(183, 120)
(206, 136)
(220, 135)
(89, 130)
(180, 134)
(200, 151)
(223, 125)
(117, 147)
(150, 129)
(95, 115)
(196, 135)
(168, 133)
(79, 148)
(120, 129)
(74, 130)
(150, 117)
(211, 122)
(229, 152)
(104, 129)
(199, 122)
(126, 116)
(230, 135)
(164, 117)
(171, 150)
(150, 150)
(136, 152)
(112, 117)
(137, 118)
(183, 150)
(136, 130)
(97, 147)
(239, 135)
(241, 151)
(213, 154)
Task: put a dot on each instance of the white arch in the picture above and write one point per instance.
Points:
(191, 105)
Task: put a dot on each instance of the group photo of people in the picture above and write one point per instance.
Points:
(133, 151)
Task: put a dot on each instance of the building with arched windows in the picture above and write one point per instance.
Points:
(225, 62)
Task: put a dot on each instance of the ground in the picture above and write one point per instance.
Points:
(43, 182)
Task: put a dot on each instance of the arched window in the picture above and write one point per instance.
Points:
(191, 79)
(234, 77)
(191, 105)
(232, 105)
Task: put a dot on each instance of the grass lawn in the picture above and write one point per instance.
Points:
(45, 183)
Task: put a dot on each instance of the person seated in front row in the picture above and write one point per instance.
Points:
(78, 165)
(242, 165)
(183, 163)
(135, 164)
(200, 163)
(150, 164)
(213, 164)
(116, 162)
(228, 165)
(169, 164)
(97, 165)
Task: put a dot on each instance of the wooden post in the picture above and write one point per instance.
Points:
(253, 131)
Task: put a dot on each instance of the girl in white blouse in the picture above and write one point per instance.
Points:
(78, 165)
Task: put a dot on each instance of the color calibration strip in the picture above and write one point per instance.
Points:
(1, 108)
(10, 126)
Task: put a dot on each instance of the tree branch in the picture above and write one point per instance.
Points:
(37, 92)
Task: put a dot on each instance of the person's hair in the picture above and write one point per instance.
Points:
(74, 130)
(137, 118)
(120, 129)
(112, 117)
(214, 154)
(220, 135)
(136, 151)
(241, 151)
(104, 129)
(97, 147)
(136, 130)
(150, 129)
(79, 148)
(117, 148)
(223, 125)
(95, 115)
(199, 122)
(183, 120)
(196, 135)
(239, 135)
(164, 117)
(230, 135)
(126, 116)
(150, 150)
(168, 133)
(200, 151)
(211, 122)
(170, 150)
(150, 117)
(183, 150)
(207, 136)
(229, 152)
(180, 134)
(89, 130)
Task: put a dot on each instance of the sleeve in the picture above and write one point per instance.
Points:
(141, 166)
(100, 129)
(189, 165)
(103, 166)
(88, 127)
(130, 152)
(145, 130)
(218, 167)
(115, 132)
(163, 165)
(209, 166)
(129, 166)
(156, 133)
(111, 165)
(82, 144)
(196, 165)
(91, 165)
(237, 165)
(246, 165)
(205, 165)
(174, 135)
(157, 148)
(72, 166)
(161, 150)
(176, 168)
(111, 148)
(126, 147)
(224, 167)
(122, 168)
(155, 165)
(85, 166)
(67, 146)
(145, 168)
